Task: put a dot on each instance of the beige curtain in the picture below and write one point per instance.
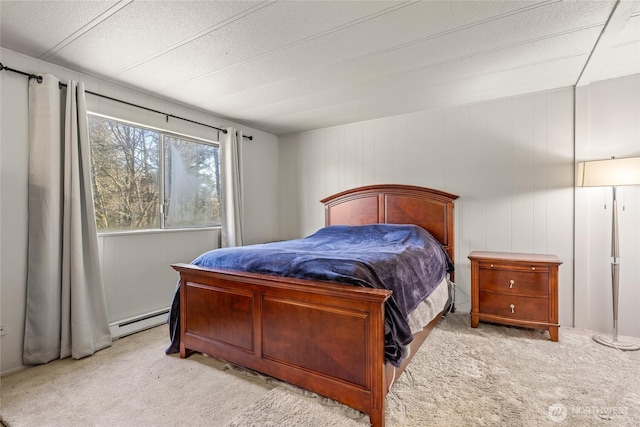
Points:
(66, 313)
(231, 177)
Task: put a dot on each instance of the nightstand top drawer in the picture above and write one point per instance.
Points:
(509, 257)
(525, 282)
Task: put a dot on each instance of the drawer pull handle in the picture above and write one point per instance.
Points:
(491, 265)
(511, 283)
(533, 269)
(513, 308)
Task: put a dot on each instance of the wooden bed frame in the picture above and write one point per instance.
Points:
(324, 337)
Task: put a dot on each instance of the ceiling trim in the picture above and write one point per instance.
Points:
(202, 33)
(615, 21)
(87, 27)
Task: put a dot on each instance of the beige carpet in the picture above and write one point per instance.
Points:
(492, 375)
(133, 383)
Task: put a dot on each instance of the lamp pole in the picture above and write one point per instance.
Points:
(615, 262)
(615, 283)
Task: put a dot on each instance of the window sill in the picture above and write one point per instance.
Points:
(154, 231)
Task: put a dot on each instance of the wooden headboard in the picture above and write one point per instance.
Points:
(395, 204)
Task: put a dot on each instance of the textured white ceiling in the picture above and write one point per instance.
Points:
(290, 66)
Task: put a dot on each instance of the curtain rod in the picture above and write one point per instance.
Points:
(61, 85)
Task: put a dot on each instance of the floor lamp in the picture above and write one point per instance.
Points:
(604, 173)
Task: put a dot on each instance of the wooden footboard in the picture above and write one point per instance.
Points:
(323, 337)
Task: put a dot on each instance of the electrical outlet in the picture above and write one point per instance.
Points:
(3, 330)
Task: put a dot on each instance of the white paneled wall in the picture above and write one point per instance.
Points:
(137, 273)
(607, 124)
(510, 161)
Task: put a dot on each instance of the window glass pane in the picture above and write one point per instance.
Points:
(124, 161)
(192, 187)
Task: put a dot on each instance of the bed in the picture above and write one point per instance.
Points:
(328, 338)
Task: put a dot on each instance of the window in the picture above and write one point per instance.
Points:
(148, 179)
(191, 184)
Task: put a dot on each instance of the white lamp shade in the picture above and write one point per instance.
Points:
(600, 173)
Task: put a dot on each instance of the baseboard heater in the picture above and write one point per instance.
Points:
(139, 323)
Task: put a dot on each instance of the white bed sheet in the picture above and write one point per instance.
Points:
(428, 309)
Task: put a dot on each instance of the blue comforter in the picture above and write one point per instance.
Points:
(405, 259)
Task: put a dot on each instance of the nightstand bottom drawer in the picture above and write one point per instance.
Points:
(514, 307)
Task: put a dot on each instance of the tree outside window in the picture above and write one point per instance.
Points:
(149, 179)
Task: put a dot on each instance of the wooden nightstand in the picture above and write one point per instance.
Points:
(515, 289)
